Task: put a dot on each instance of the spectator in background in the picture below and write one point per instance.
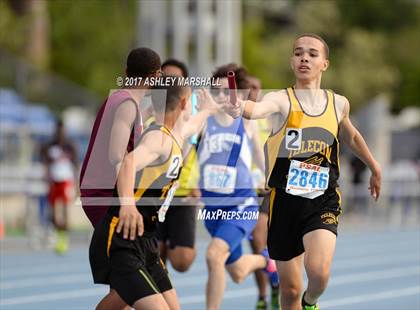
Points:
(60, 159)
(175, 67)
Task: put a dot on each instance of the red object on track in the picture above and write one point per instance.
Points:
(232, 86)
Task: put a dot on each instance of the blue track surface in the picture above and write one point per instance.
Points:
(372, 270)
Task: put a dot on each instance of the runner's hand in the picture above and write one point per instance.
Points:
(234, 110)
(130, 222)
(206, 102)
(375, 183)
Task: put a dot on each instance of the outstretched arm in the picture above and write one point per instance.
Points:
(270, 104)
(352, 137)
(207, 107)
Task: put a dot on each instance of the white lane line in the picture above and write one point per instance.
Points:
(199, 279)
(54, 296)
(231, 294)
(9, 275)
(355, 278)
(413, 290)
(390, 294)
(28, 270)
(369, 261)
(46, 281)
(375, 275)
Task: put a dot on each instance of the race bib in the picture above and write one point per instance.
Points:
(174, 167)
(165, 206)
(219, 179)
(307, 180)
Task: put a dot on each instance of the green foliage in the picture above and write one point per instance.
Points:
(377, 15)
(373, 44)
(90, 40)
(12, 29)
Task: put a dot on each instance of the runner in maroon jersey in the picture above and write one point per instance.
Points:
(117, 126)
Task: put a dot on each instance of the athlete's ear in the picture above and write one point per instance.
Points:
(291, 63)
(183, 103)
(326, 65)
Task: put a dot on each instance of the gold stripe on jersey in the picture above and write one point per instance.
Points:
(153, 178)
(297, 118)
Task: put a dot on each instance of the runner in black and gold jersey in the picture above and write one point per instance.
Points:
(177, 234)
(124, 249)
(303, 169)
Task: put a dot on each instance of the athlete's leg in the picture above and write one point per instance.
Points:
(181, 257)
(180, 228)
(319, 251)
(216, 256)
(163, 251)
(290, 273)
(245, 265)
(111, 301)
(151, 302)
(258, 243)
(171, 299)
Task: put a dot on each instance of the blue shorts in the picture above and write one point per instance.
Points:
(231, 224)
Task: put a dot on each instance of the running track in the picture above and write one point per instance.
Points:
(375, 270)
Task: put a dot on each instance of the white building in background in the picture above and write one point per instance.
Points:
(203, 34)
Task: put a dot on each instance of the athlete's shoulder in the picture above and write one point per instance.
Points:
(340, 98)
(155, 133)
(276, 95)
(156, 141)
(342, 106)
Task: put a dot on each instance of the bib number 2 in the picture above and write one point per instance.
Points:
(174, 167)
(293, 138)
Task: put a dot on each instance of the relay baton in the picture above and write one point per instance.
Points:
(232, 87)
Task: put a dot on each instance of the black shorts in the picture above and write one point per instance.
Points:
(179, 226)
(132, 268)
(291, 217)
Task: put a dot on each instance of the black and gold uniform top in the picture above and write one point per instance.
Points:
(312, 139)
(154, 182)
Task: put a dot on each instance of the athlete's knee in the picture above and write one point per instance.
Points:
(319, 275)
(214, 257)
(238, 276)
(290, 291)
(181, 260)
(181, 266)
(320, 281)
(111, 301)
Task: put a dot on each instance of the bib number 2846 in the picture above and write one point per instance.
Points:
(307, 180)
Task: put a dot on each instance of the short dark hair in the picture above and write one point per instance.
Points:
(319, 38)
(142, 61)
(241, 74)
(178, 64)
(166, 98)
